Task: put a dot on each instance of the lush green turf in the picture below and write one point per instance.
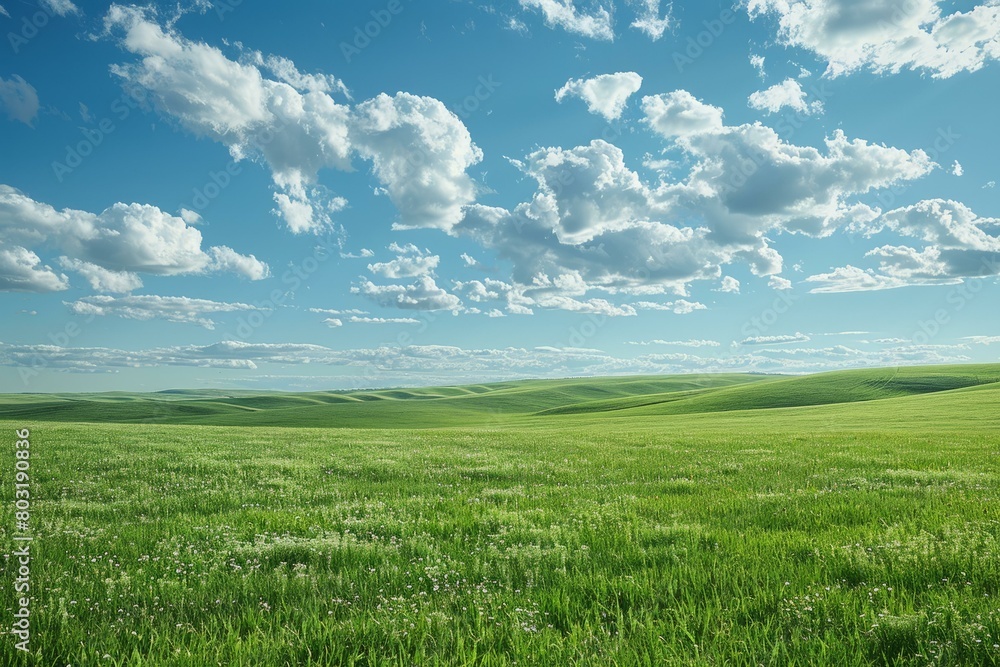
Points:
(738, 524)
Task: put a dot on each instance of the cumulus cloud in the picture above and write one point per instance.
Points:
(958, 247)
(149, 307)
(410, 262)
(598, 225)
(19, 100)
(565, 15)
(787, 94)
(419, 150)
(101, 279)
(779, 283)
(423, 294)
(22, 271)
(852, 279)
(888, 36)
(680, 114)
(122, 239)
(729, 285)
(757, 62)
(605, 94)
(225, 258)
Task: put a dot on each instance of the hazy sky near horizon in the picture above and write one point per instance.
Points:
(310, 195)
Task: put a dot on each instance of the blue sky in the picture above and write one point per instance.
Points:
(337, 195)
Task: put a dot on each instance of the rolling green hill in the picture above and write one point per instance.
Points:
(529, 402)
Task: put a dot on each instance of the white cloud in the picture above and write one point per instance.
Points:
(990, 185)
(4, 12)
(685, 307)
(59, 7)
(680, 114)
(956, 169)
(679, 307)
(285, 70)
(787, 94)
(396, 366)
(471, 261)
(148, 307)
(779, 283)
(22, 271)
(190, 217)
(384, 320)
(729, 285)
(410, 262)
(851, 279)
(678, 343)
(19, 100)
(333, 322)
(776, 340)
(564, 14)
(364, 253)
(958, 247)
(887, 36)
(649, 20)
(129, 238)
(595, 223)
(423, 294)
(326, 311)
(419, 149)
(101, 279)
(605, 94)
(982, 340)
(225, 258)
(757, 62)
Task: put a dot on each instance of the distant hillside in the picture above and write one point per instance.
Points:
(529, 401)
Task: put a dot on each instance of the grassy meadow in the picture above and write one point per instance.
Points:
(839, 519)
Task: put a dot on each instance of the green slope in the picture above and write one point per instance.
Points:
(531, 402)
(821, 389)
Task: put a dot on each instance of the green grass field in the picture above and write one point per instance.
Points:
(847, 518)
